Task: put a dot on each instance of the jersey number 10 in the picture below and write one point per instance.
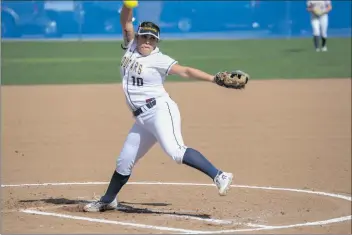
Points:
(137, 81)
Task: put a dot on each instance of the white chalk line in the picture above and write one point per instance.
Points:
(269, 227)
(255, 227)
(212, 221)
(145, 226)
(348, 198)
(105, 221)
(35, 208)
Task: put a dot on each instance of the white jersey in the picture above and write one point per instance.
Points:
(322, 5)
(143, 76)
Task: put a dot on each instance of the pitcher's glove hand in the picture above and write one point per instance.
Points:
(235, 79)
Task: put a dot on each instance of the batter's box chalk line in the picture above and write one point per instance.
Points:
(252, 227)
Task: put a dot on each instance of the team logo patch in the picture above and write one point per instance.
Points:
(149, 28)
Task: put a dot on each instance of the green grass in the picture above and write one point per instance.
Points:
(98, 62)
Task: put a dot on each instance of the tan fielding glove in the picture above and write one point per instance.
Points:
(235, 80)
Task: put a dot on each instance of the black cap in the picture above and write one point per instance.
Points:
(149, 28)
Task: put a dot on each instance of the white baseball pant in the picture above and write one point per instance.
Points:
(162, 124)
(320, 25)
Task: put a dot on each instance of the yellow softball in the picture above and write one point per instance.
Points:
(130, 3)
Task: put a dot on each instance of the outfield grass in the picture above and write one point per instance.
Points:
(98, 62)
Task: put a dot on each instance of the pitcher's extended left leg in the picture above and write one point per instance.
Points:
(136, 145)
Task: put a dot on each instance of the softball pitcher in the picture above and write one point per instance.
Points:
(144, 69)
(319, 11)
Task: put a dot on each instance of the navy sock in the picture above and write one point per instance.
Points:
(195, 159)
(316, 42)
(323, 44)
(116, 183)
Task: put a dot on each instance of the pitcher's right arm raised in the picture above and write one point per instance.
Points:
(127, 26)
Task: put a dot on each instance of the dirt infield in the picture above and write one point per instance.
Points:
(291, 138)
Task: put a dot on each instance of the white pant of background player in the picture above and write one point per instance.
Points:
(320, 25)
(319, 22)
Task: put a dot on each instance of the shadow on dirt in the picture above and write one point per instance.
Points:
(131, 209)
(124, 207)
(56, 201)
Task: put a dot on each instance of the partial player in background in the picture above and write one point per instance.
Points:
(319, 11)
(144, 69)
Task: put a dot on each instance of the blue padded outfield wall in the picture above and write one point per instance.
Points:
(177, 19)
